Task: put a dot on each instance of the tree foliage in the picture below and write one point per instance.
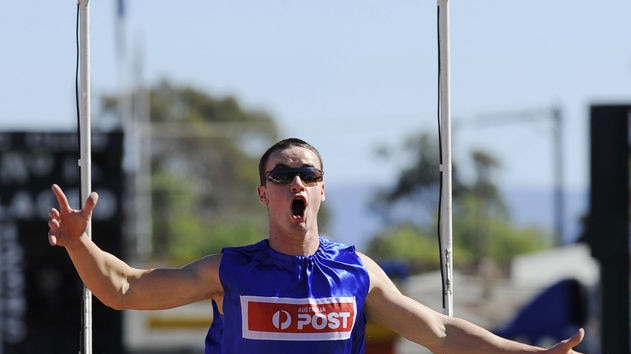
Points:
(204, 160)
(481, 220)
(415, 194)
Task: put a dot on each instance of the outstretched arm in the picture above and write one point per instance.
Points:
(113, 281)
(387, 306)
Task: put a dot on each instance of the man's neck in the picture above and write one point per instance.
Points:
(295, 245)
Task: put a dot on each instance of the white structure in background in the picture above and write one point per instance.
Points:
(530, 275)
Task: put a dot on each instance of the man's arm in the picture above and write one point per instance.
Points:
(113, 281)
(387, 306)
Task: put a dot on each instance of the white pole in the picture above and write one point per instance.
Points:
(445, 168)
(85, 161)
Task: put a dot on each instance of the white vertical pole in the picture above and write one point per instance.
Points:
(445, 131)
(85, 161)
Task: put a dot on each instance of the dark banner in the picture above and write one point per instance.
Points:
(607, 231)
(40, 292)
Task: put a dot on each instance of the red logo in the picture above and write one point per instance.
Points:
(275, 318)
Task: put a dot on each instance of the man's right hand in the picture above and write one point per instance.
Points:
(67, 224)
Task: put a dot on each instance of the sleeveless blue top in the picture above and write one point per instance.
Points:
(275, 303)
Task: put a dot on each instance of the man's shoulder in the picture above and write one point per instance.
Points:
(244, 248)
(328, 242)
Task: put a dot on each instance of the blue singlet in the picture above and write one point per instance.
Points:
(280, 304)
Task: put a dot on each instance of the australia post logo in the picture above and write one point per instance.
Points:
(274, 318)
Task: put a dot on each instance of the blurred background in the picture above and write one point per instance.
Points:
(187, 95)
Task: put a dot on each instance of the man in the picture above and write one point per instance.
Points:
(294, 292)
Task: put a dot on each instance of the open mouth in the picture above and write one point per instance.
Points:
(298, 206)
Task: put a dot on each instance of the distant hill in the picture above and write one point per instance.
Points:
(351, 221)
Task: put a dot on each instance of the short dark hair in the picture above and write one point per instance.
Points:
(282, 145)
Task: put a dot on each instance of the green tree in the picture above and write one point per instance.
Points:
(481, 221)
(414, 195)
(414, 245)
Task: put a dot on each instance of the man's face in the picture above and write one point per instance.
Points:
(293, 204)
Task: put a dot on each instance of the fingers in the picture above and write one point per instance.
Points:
(90, 203)
(65, 206)
(66, 224)
(52, 239)
(61, 197)
(567, 345)
(53, 226)
(53, 213)
(577, 338)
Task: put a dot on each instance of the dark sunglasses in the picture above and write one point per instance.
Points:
(284, 175)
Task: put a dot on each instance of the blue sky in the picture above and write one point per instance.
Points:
(344, 75)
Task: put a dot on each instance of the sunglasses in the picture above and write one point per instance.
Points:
(285, 175)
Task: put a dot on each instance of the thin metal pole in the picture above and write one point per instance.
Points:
(85, 161)
(445, 131)
(559, 198)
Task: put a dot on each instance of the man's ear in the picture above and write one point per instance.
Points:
(322, 193)
(262, 192)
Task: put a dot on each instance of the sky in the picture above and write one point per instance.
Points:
(347, 76)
